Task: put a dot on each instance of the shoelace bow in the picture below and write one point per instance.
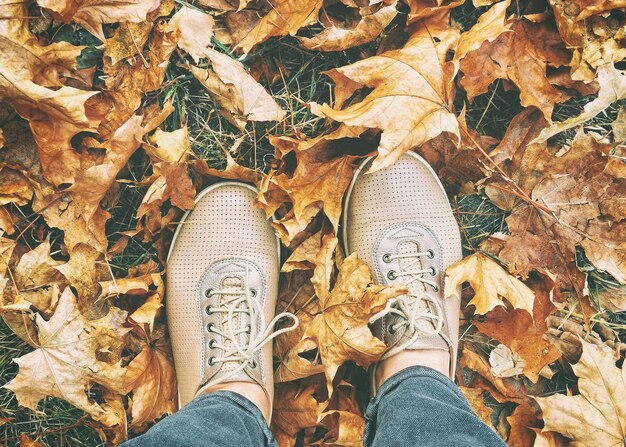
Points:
(407, 307)
(240, 300)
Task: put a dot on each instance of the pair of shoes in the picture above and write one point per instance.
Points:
(223, 270)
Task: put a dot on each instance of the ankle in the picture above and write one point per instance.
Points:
(251, 391)
(431, 358)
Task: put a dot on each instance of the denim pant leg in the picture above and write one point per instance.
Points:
(421, 407)
(219, 419)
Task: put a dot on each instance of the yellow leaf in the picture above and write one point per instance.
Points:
(596, 416)
(490, 282)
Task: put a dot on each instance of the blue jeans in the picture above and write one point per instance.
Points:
(416, 407)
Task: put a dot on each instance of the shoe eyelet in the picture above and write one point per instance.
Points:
(208, 310)
(207, 293)
(392, 329)
(392, 275)
(253, 293)
(387, 258)
(209, 327)
(252, 364)
(212, 344)
(248, 329)
(211, 361)
(433, 272)
(436, 288)
(431, 253)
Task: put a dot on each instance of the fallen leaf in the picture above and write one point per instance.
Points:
(475, 398)
(295, 408)
(284, 17)
(170, 147)
(612, 88)
(64, 362)
(334, 38)
(490, 282)
(151, 378)
(523, 421)
(523, 332)
(340, 332)
(595, 416)
(26, 441)
(505, 363)
(92, 14)
(406, 120)
(521, 55)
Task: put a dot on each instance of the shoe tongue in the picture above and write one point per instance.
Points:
(416, 288)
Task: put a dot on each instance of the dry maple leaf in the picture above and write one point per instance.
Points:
(65, 364)
(334, 38)
(410, 99)
(340, 331)
(523, 332)
(423, 9)
(323, 172)
(522, 56)
(597, 415)
(490, 282)
(92, 14)
(282, 18)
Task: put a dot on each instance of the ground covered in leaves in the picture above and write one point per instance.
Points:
(115, 113)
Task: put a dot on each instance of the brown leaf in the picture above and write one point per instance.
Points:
(595, 416)
(490, 282)
(422, 9)
(64, 363)
(318, 182)
(92, 14)
(284, 17)
(370, 26)
(152, 380)
(523, 420)
(522, 332)
(295, 408)
(170, 147)
(612, 88)
(340, 332)
(406, 120)
(594, 34)
(26, 441)
(475, 398)
(522, 56)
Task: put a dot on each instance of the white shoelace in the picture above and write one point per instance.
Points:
(241, 301)
(408, 306)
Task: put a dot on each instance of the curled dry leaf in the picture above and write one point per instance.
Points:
(295, 408)
(151, 378)
(65, 362)
(369, 28)
(593, 31)
(405, 119)
(340, 331)
(92, 14)
(612, 88)
(283, 17)
(490, 282)
(597, 415)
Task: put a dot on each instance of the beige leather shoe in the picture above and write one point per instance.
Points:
(222, 283)
(400, 222)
